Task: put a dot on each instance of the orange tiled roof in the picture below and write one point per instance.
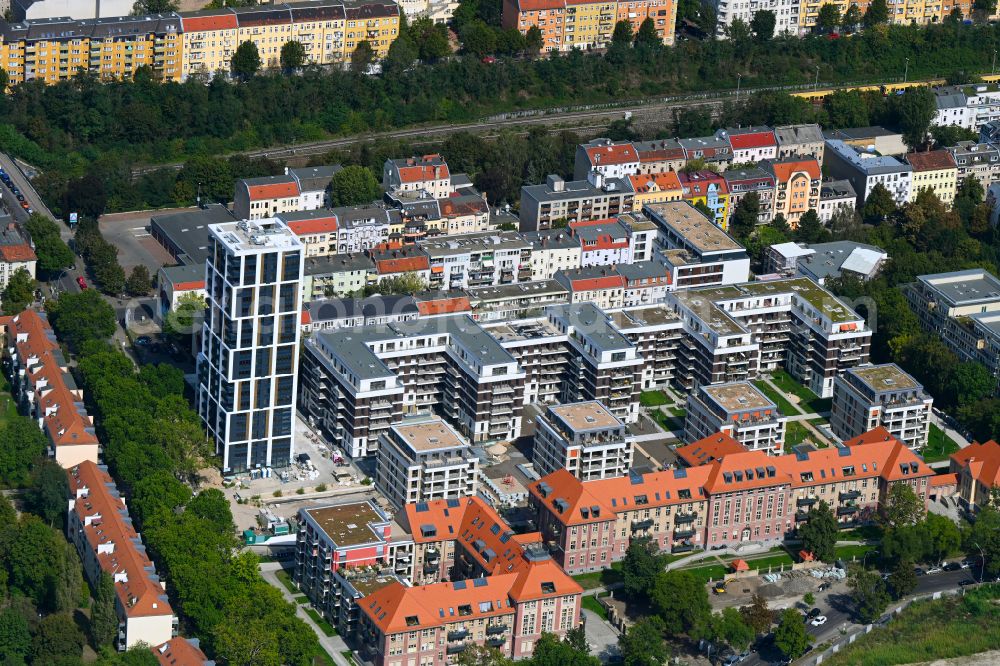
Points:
(17, 253)
(428, 167)
(402, 264)
(944, 480)
(102, 512)
(982, 460)
(209, 23)
(317, 225)
(760, 139)
(709, 449)
(618, 153)
(267, 191)
(65, 419)
(540, 5)
(440, 306)
(179, 652)
(784, 170)
(592, 284)
(658, 182)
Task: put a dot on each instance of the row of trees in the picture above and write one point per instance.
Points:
(84, 126)
(154, 446)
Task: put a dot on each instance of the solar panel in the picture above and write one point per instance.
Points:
(459, 585)
(421, 507)
(479, 582)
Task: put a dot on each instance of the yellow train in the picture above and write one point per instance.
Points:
(885, 89)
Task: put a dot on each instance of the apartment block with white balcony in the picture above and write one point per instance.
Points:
(585, 438)
(881, 395)
(424, 460)
(739, 410)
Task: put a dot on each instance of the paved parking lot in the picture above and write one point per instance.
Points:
(129, 232)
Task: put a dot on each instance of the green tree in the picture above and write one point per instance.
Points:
(407, 283)
(103, 617)
(810, 229)
(903, 580)
(901, 508)
(187, 317)
(401, 55)
(682, 603)
(479, 39)
(914, 112)
(983, 9)
(879, 205)
(15, 636)
(730, 627)
(968, 196)
(757, 615)
(56, 638)
(869, 593)
(21, 444)
(809, 598)
(984, 537)
(139, 282)
(640, 567)
(53, 254)
(550, 651)
(852, 19)
(354, 185)
(828, 19)
(577, 639)
(80, 317)
(155, 7)
(48, 492)
(819, 533)
(19, 292)
(245, 62)
(762, 24)
(790, 637)
(622, 36)
(877, 13)
(482, 655)
(941, 537)
(744, 218)
(642, 644)
(534, 40)
(431, 39)
(85, 195)
(293, 55)
(950, 135)
(647, 36)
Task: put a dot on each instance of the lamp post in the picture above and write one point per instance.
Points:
(906, 71)
(739, 80)
(982, 559)
(993, 67)
(816, 81)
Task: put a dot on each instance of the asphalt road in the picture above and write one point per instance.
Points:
(838, 608)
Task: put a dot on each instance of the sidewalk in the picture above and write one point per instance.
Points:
(333, 645)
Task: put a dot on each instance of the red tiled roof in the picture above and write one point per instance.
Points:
(664, 181)
(540, 5)
(189, 286)
(317, 225)
(934, 160)
(752, 140)
(592, 284)
(103, 515)
(306, 318)
(944, 480)
(17, 253)
(402, 265)
(209, 23)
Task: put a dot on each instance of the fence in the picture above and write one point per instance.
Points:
(850, 637)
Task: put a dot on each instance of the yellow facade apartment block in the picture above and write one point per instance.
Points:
(177, 46)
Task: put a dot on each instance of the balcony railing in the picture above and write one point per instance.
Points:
(457, 635)
(806, 501)
(642, 524)
(850, 495)
(847, 510)
(682, 518)
(495, 629)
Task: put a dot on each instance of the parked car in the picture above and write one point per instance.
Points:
(825, 586)
(965, 564)
(80, 281)
(934, 570)
(143, 340)
(815, 612)
(818, 621)
(967, 581)
(952, 566)
(919, 571)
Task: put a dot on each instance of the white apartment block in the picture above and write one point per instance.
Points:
(870, 396)
(835, 196)
(314, 185)
(248, 364)
(609, 158)
(362, 228)
(552, 250)
(740, 410)
(865, 171)
(584, 438)
(478, 260)
(425, 460)
(786, 14)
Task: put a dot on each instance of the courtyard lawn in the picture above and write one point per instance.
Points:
(709, 573)
(672, 423)
(785, 407)
(808, 401)
(653, 398)
(591, 603)
(325, 626)
(939, 446)
(795, 434)
(603, 578)
(285, 578)
(849, 553)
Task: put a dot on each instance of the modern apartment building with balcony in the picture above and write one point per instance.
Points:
(881, 395)
(596, 198)
(740, 410)
(478, 260)
(423, 460)
(584, 438)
